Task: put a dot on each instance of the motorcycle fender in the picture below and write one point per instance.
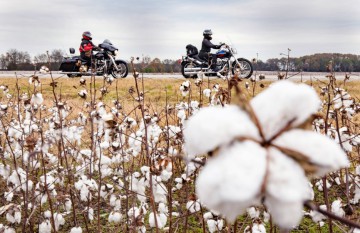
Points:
(184, 62)
(119, 60)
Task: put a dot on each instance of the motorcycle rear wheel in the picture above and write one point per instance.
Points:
(122, 72)
(188, 65)
(244, 69)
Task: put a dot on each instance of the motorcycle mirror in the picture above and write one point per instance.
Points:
(72, 50)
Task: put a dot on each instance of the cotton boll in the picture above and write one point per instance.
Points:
(253, 212)
(37, 99)
(165, 175)
(207, 92)
(320, 186)
(91, 214)
(286, 215)
(212, 225)
(208, 215)
(9, 230)
(163, 208)
(215, 225)
(161, 220)
(283, 102)
(160, 192)
(266, 217)
(286, 179)
(4, 171)
(85, 193)
(47, 214)
(258, 228)
(214, 126)
(286, 190)
(356, 198)
(336, 208)
(229, 183)
(179, 183)
(76, 230)
(115, 217)
(59, 220)
(316, 216)
(45, 227)
(68, 204)
(319, 149)
(193, 206)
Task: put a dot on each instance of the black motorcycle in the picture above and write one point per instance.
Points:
(104, 61)
(191, 64)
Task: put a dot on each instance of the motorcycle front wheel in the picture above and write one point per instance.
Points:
(122, 72)
(243, 68)
(188, 65)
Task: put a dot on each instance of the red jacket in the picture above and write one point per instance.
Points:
(86, 48)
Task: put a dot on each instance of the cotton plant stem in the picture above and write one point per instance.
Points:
(172, 162)
(325, 193)
(25, 194)
(331, 215)
(141, 105)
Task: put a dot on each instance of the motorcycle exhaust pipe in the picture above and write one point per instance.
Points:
(191, 73)
(194, 69)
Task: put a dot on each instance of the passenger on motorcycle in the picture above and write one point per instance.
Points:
(86, 47)
(206, 48)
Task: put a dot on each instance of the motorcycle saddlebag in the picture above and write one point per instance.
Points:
(69, 64)
(191, 50)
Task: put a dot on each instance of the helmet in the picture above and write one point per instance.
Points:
(207, 34)
(87, 35)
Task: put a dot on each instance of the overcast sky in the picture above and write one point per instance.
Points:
(162, 28)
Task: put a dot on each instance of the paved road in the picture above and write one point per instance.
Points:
(268, 75)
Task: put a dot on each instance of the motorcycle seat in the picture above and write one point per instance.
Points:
(196, 56)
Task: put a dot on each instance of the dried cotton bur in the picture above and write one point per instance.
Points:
(262, 153)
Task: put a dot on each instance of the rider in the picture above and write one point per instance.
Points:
(86, 47)
(206, 48)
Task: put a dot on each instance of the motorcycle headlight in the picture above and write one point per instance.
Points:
(116, 52)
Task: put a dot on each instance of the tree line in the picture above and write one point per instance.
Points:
(14, 59)
(312, 63)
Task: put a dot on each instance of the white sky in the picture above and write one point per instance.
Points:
(162, 28)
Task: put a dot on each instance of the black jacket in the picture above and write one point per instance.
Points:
(207, 46)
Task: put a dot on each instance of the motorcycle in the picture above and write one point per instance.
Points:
(192, 64)
(104, 61)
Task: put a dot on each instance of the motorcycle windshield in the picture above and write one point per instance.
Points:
(108, 47)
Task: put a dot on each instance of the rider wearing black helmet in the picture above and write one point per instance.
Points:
(86, 47)
(206, 48)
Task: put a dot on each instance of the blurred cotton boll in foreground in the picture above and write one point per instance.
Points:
(261, 153)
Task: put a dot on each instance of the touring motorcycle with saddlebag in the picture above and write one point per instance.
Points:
(192, 64)
(104, 61)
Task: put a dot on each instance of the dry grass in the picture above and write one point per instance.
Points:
(158, 92)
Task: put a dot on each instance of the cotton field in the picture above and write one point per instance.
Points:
(226, 156)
